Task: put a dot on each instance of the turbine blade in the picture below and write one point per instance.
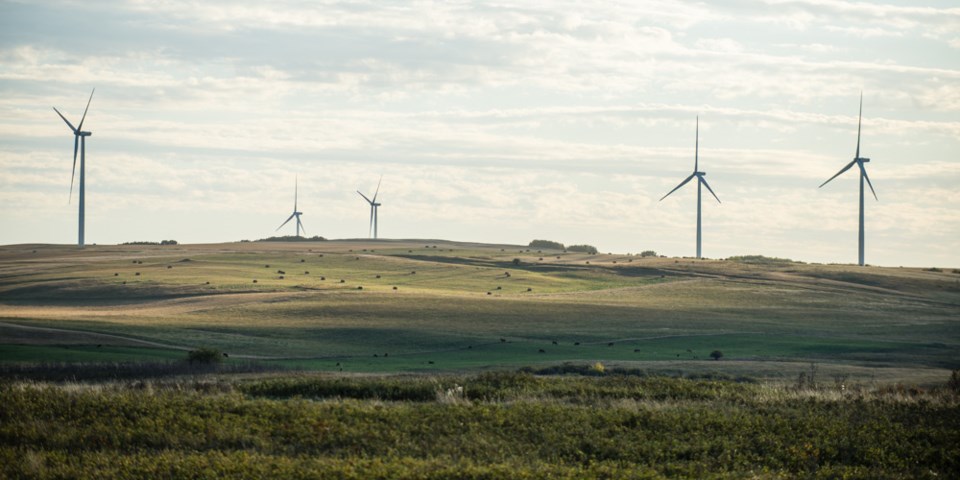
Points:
(696, 151)
(73, 171)
(864, 172)
(80, 126)
(844, 169)
(859, 119)
(705, 184)
(365, 197)
(295, 186)
(378, 189)
(299, 224)
(65, 120)
(678, 186)
(288, 220)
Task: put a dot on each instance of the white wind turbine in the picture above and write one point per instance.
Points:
(859, 161)
(295, 212)
(79, 140)
(373, 209)
(700, 181)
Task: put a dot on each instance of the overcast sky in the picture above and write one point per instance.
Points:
(492, 122)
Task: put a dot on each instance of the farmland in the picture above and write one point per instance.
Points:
(432, 306)
(431, 359)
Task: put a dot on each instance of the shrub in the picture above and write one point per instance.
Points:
(954, 382)
(205, 355)
(516, 261)
(648, 253)
(583, 248)
(546, 244)
(716, 354)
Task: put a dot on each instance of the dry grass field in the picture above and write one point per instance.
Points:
(428, 306)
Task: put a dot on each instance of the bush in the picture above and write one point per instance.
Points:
(546, 244)
(648, 253)
(761, 260)
(583, 248)
(205, 356)
(716, 354)
(168, 242)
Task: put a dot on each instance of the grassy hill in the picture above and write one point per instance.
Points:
(426, 306)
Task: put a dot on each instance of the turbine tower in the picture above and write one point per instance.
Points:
(700, 181)
(295, 212)
(79, 140)
(859, 161)
(373, 209)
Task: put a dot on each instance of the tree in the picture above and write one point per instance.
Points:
(716, 354)
(648, 253)
(549, 244)
(583, 248)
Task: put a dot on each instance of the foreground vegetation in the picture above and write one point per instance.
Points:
(492, 425)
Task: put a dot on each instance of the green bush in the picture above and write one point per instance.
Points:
(583, 249)
(546, 244)
(648, 253)
(204, 356)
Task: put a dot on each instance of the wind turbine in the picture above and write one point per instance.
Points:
(700, 181)
(859, 161)
(79, 139)
(373, 208)
(295, 212)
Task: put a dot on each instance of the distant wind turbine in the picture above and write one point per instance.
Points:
(295, 212)
(859, 161)
(79, 140)
(373, 208)
(700, 181)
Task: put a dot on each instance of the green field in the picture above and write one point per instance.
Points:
(435, 306)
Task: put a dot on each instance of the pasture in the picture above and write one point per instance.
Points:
(436, 306)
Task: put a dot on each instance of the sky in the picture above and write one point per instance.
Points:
(498, 122)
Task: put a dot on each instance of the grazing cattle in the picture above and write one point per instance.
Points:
(266, 266)
(225, 355)
(343, 281)
(636, 350)
(555, 342)
(378, 276)
(137, 274)
(306, 272)
(281, 272)
(529, 289)
(430, 362)
(394, 287)
(489, 293)
(323, 278)
(169, 266)
(503, 340)
(610, 344)
(302, 260)
(281, 277)
(116, 274)
(576, 343)
(359, 287)
(543, 351)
